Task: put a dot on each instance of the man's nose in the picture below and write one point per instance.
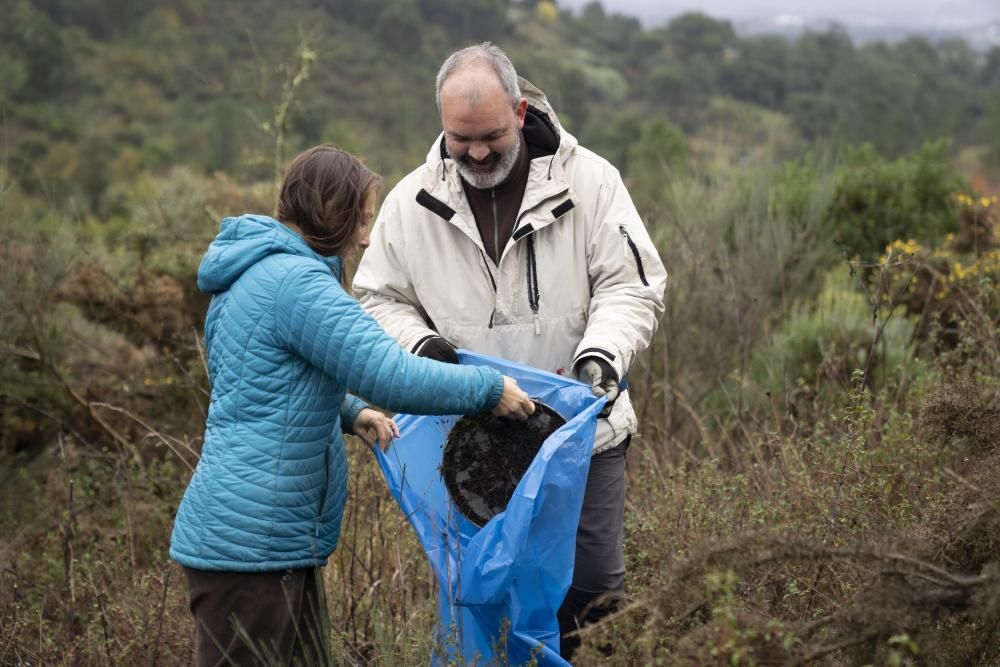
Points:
(479, 151)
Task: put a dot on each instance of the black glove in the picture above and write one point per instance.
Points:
(438, 349)
(603, 379)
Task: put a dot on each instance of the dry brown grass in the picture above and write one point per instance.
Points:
(833, 522)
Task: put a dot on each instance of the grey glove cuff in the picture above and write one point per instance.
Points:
(601, 377)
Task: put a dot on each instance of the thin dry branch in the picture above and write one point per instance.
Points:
(153, 432)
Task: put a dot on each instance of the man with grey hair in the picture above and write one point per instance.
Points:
(513, 240)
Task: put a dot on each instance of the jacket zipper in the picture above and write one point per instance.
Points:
(496, 249)
(533, 294)
(627, 243)
(532, 277)
(493, 282)
(326, 486)
(496, 225)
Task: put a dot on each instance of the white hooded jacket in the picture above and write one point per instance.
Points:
(579, 277)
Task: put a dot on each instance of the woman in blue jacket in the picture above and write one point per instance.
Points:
(285, 344)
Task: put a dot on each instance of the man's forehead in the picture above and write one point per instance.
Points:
(472, 84)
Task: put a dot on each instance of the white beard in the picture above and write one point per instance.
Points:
(500, 172)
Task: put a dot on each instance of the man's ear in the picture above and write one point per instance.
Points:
(520, 110)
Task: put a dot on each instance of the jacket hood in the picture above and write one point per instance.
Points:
(538, 106)
(245, 240)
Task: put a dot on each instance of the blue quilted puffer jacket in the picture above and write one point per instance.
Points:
(285, 343)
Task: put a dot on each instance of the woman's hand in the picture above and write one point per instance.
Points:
(372, 426)
(514, 403)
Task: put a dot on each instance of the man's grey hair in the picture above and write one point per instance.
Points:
(485, 53)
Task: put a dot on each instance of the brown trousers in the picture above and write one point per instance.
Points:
(259, 618)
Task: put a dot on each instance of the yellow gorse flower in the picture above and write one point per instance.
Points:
(986, 266)
(969, 201)
(958, 272)
(908, 247)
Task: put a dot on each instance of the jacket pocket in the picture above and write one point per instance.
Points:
(627, 244)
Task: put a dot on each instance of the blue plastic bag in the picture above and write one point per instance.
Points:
(500, 585)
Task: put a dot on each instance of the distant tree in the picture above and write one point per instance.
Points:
(814, 58)
(759, 71)
(815, 99)
(815, 114)
(399, 26)
(359, 12)
(468, 20)
(875, 96)
(669, 84)
(959, 59)
(35, 60)
(685, 74)
(101, 18)
(989, 76)
(593, 13)
(991, 130)
(616, 32)
(224, 125)
(939, 101)
(697, 34)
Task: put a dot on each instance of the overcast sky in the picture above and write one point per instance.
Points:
(916, 13)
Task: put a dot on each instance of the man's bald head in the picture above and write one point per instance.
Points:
(474, 70)
(470, 85)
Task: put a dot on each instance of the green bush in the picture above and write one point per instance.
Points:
(812, 357)
(878, 200)
(827, 339)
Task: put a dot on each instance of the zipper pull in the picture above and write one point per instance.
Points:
(621, 228)
(538, 324)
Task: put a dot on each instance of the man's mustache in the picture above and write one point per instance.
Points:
(489, 160)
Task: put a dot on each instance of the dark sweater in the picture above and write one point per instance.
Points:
(495, 209)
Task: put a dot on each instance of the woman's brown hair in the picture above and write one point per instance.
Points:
(324, 195)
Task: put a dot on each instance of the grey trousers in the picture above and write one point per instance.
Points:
(599, 571)
(259, 618)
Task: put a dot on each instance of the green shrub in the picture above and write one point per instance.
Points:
(878, 201)
(826, 339)
(810, 359)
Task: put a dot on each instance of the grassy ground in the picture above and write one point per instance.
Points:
(814, 482)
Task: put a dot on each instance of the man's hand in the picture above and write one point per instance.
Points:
(372, 426)
(603, 379)
(438, 349)
(514, 403)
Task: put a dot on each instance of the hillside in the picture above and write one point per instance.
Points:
(815, 475)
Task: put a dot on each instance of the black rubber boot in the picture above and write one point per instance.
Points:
(581, 608)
